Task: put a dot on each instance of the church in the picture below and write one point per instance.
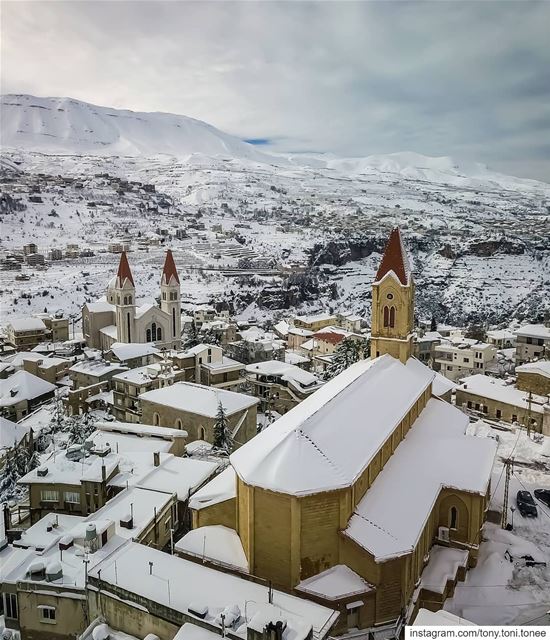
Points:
(117, 317)
(367, 497)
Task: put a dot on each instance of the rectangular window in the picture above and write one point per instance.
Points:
(72, 496)
(469, 404)
(49, 495)
(10, 606)
(47, 614)
(499, 413)
(514, 418)
(466, 359)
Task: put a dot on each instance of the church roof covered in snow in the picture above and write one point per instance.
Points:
(395, 259)
(124, 272)
(326, 441)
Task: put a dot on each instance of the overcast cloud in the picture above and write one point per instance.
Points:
(467, 79)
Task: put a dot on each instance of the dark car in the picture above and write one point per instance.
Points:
(543, 495)
(526, 504)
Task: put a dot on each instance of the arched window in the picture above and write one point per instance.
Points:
(386, 317)
(392, 317)
(179, 424)
(148, 335)
(154, 331)
(156, 419)
(453, 518)
(125, 300)
(202, 433)
(159, 334)
(129, 299)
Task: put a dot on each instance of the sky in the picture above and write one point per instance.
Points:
(465, 79)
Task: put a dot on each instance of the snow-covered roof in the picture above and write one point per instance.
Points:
(282, 327)
(225, 364)
(110, 331)
(501, 334)
(198, 348)
(127, 443)
(496, 389)
(298, 331)
(534, 331)
(179, 475)
(335, 583)
(441, 618)
(192, 584)
(47, 531)
(440, 385)
(27, 324)
(435, 454)
(100, 306)
(141, 430)
(140, 375)
(144, 308)
(216, 542)
(319, 317)
(443, 565)
(191, 631)
(127, 351)
(541, 368)
(198, 399)
(221, 488)
(11, 433)
(291, 357)
(282, 370)
(96, 367)
(23, 386)
(327, 440)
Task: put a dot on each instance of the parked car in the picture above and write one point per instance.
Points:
(526, 504)
(543, 495)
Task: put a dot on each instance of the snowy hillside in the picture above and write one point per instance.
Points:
(63, 125)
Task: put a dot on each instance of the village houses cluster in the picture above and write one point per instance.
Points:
(170, 473)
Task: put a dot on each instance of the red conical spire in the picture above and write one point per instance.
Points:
(395, 259)
(169, 270)
(124, 272)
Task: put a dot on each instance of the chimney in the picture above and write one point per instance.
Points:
(156, 458)
(103, 472)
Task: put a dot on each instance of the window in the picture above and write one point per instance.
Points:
(390, 296)
(164, 295)
(514, 417)
(386, 317)
(466, 359)
(477, 406)
(72, 496)
(392, 317)
(148, 335)
(179, 424)
(469, 404)
(49, 495)
(156, 419)
(202, 433)
(498, 413)
(159, 334)
(10, 606)
(47, 614)
(453, 518)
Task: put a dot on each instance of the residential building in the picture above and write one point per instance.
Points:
(206, 364)
(502, 338)
(118, 318)
(343, 502)
(256, 345)
(26, 333)
(128, 437)
(349, 321)
(88, 378)
(23, 392)
(50, 369)
(280, 386)
(425, 346)
(314, 322)
(495, 399)
(194, 407)
(29, 249)
(457, 357)
(128, 385)
(532, 343)
(13, 436)
(134, 354)
(33, 259)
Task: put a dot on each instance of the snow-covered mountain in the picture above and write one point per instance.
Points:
(67, 126)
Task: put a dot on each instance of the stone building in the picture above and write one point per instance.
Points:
(118, 318)
(27, 333)
(193, 407)
(206, 364)
(534, 377)
(23, 392)
(330, 494)
(495, 399)
(457, 356)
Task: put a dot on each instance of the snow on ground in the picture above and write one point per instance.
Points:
(500, 590)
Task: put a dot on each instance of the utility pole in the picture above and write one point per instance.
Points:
(529, 401)
(508, 464)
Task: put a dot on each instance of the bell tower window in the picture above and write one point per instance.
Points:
(386, 316)
(392, 317)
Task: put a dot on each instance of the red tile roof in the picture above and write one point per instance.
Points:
(169, 271)
(394, 259)
(124, 272)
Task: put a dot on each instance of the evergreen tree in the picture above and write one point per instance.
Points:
(223, 442)
(9, 477)
(80, 428)
(191, 338)
(347, 353)
(433, 324)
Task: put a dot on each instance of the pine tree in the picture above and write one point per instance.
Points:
(9, 477)
(80, 428)
(191, 338)
(223, 442)
(347, 353)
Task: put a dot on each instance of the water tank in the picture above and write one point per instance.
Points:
(91, 532)
(54, 571)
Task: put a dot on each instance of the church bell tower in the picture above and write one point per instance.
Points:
(392, 320)
(124, 293)
(170, 299)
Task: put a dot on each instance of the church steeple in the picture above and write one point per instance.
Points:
(170, 298)
(393, 303)
(124, 293)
